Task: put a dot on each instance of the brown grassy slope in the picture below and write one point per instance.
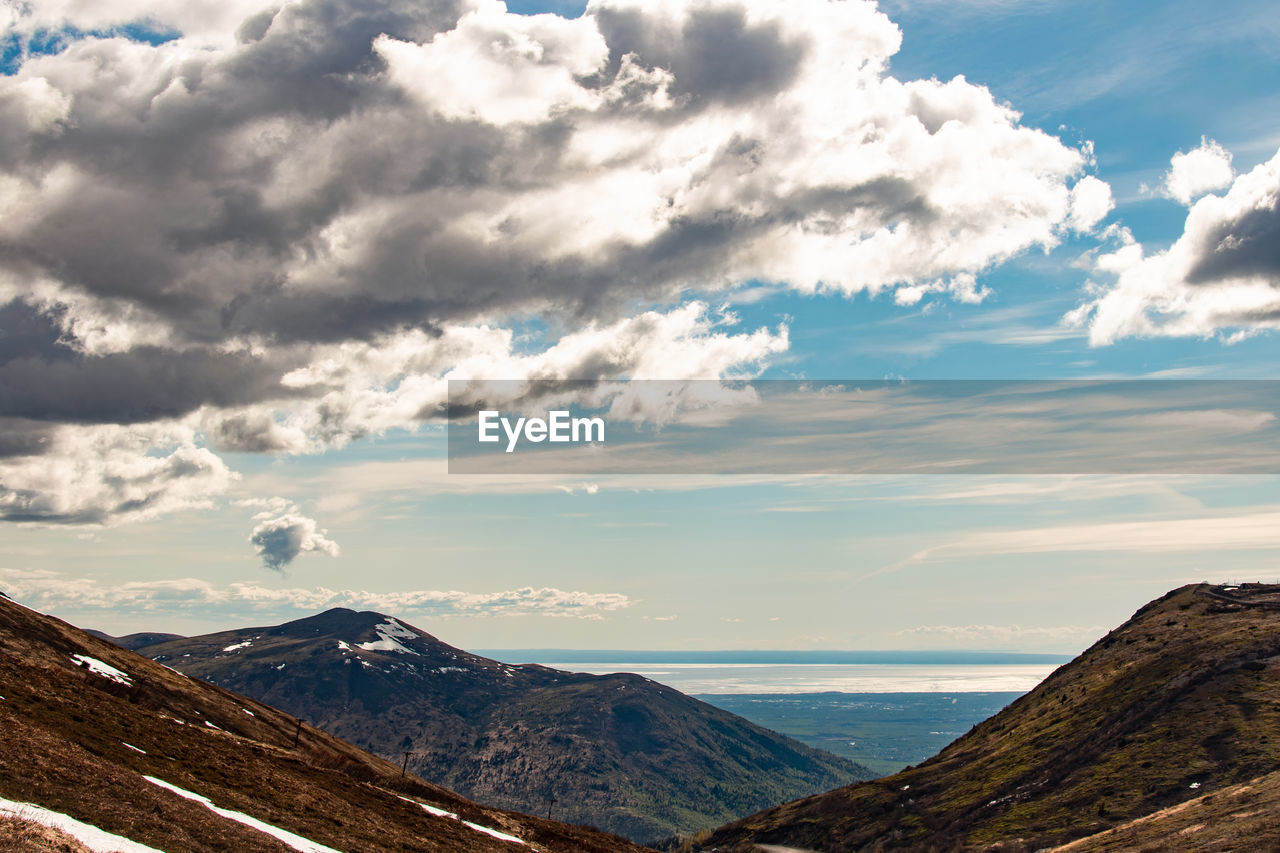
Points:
(27, 836)
(1185, 693)
(1238, 817)
(65, 732)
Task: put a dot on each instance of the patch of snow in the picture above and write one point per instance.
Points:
(247, 711)
(280, 667)
(366, 664)
(477, 827)
(386, 644)
(211, 725)
(342, 644)
(392, 628)
(97, 840)
(1194, 785)
(238, 646)
(297, 842)
(106, 670)
(388, 633)
(499, 835)
(171, 669)
(134, 748)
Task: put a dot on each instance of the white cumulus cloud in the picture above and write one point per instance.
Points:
(1221, 275)
(1198, 171)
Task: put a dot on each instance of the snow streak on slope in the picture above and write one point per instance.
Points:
(95, 839)
(297, 842)
(502, 836)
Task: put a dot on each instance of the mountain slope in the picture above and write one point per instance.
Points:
(1181, 700)
(616, 751)
(117, 741)
(1238, 817)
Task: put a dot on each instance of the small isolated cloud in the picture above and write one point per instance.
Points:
(1222, 276)
(1091, 200)
(280, 538)
(1198, 171)
(55, 591)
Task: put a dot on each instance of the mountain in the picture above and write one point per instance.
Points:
(133, 642)
(615, 751)
(98, 734)
(1167, 715)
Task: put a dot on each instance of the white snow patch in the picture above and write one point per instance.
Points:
(211, 725)
(386, 644)
(392, 628)
(477, 827)
(388, 633)
(106, 670)
(238, 646)
(499, 835)
(297, 842)
(247, 711)
(97, 840)
(134, 748)
(280, 667)
(342, 644)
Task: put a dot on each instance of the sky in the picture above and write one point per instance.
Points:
(244, 248)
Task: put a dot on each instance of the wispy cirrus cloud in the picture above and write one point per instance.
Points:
(1253, 531)
(1001, 636)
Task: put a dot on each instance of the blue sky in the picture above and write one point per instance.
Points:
(354, 491)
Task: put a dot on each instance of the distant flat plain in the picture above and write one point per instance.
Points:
(884, 710)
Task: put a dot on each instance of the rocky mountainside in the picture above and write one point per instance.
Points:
(1180, 702)
(617, 751)
(97, 734)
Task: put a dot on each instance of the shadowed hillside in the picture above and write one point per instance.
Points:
(1181, 701)
(85, 723)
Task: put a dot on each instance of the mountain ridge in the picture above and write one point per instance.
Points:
(1181, 700)
(618, 751)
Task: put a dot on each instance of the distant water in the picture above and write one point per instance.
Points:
(822, 677)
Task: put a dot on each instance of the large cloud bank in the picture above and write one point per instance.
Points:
(287, 226)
